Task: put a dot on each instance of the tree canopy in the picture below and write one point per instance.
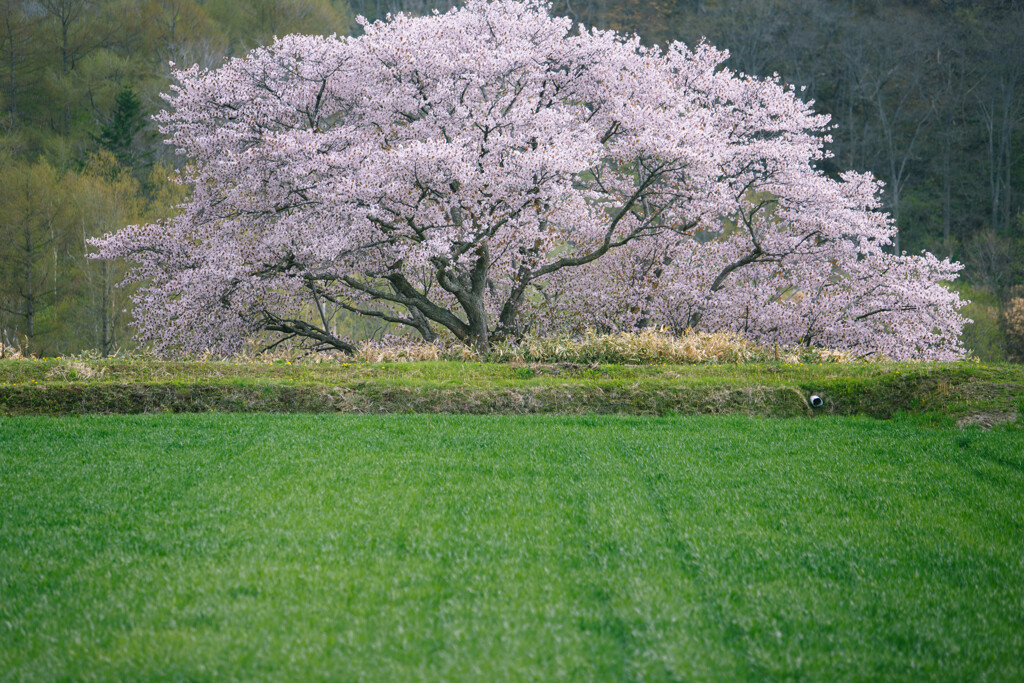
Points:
(492, 171)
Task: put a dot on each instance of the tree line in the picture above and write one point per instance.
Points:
(925, 94)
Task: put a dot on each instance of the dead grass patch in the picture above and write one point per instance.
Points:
(74, 370)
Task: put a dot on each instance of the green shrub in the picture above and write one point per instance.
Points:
(984, 337)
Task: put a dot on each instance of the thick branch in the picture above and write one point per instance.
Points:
(302, 328)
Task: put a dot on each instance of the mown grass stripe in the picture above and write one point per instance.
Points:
(430, 547)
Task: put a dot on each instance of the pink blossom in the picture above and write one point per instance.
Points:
(491, 171)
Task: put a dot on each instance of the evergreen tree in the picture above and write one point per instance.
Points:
(119, 133)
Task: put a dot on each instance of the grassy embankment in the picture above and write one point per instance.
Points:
(427, 547)
(55, 386)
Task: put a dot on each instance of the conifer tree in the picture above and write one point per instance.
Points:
(119, 133)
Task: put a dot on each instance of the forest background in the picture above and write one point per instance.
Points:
(926, 94)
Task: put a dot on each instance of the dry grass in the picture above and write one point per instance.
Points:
(71, 370)
(648, 347)
(412, 352)
(652, 347)
(12, 352)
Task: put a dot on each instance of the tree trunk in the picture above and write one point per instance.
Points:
(106, 336)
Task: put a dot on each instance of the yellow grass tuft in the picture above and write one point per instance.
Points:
(405, 353)
(71, 370)
(646, 347)
(650, 347)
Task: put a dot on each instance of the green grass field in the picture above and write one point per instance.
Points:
(435, 547)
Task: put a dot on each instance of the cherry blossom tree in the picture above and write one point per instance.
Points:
(493, 171)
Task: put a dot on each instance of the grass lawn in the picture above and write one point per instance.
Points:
(440, 547)
(61, 386)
